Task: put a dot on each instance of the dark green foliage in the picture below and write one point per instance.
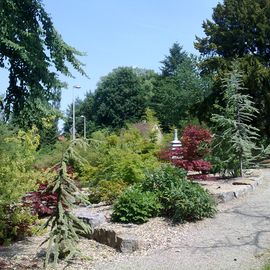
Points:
(177, 95)
(174, 195)
(164, 178)
(136, 206)
(173, 60)
(235, 137)
(65, 228)
(34, 53)
(187, 201)
(121, 96)
(181, 199)
(239, 29)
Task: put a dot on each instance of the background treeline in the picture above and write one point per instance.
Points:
(189, 88)
(123, 95)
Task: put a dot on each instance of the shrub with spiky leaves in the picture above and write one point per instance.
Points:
(65, 226)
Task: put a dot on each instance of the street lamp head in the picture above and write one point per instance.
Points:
(77, 86)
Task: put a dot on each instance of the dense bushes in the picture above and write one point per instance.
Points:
(179, 198)
(15, 223)
(17, 154)
(116, 161)
(106, 191)
(136, 206)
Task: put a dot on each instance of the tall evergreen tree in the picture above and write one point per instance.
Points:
(239, 29)
(179, 90)
(235, 136)
(173, 60)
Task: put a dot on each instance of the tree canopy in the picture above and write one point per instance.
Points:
(179, 88)
(240, 29)
(173, 60)
(34, 54)
(122, 96)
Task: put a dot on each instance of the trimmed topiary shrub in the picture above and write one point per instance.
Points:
(136, 206)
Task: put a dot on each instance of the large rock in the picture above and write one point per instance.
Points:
(122, 242)
(93, 219)
(125, 243)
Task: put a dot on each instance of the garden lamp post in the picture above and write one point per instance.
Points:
(73, 113)
(84, 126)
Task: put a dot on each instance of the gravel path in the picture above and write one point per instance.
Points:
(237, 238)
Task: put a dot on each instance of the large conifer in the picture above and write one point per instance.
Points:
(235, 136)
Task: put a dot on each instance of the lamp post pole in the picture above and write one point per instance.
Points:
(84, 126)
(73, 114)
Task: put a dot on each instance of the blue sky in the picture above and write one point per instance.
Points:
(117, 33)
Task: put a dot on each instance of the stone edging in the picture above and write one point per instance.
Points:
(234, 188)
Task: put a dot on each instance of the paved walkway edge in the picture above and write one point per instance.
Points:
(241, 186)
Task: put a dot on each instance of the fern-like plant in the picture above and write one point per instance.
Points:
(65, 227)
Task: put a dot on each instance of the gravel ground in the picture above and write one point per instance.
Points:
(156, 233)
(237, 238)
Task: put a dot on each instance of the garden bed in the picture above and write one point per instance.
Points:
(157, 233)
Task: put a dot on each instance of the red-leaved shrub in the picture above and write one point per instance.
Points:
(190, 156)
(41, 202)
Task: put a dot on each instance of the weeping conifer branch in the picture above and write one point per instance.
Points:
(65, 227)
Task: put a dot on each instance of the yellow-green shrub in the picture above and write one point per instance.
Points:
(124, 157)
(106, 191)
(17, 154)
(116, 161)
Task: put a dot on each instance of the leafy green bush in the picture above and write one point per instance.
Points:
(136, 206)
(16, 222)
(17, 177)
(124, 158)
(163, 178)
(49, 155)
(181, 199)
(187, 202)
(106, 191)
